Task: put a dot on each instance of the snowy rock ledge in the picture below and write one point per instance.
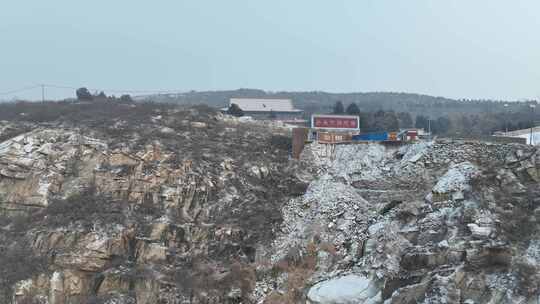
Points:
(456, 180)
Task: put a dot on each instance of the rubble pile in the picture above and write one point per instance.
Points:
(433, 222)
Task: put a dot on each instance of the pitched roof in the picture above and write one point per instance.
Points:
(264, 104)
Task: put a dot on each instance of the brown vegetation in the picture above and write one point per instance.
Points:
(299, 266)
(18, 263)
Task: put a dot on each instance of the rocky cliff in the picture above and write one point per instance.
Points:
(156, 204)
(442, 222)
(166, 206)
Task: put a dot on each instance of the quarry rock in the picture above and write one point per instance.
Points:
(197, 207)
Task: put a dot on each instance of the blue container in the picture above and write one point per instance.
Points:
(381, 136)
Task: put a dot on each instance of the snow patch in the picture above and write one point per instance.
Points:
(413, 153)
(457, 178)
(348, 289)
(533, 252)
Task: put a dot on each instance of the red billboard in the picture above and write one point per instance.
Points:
(343, 122)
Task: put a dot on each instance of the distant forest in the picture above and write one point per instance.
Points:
(378, 111)
(389, 111)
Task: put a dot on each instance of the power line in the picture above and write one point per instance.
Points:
(66, 87)
(59, 87)
(20, 90)
(115, 90)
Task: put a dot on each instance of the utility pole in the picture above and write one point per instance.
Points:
(506, 119)
(42, 93)
(429, 128)
(532, 124)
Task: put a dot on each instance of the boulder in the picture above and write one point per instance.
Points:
(480, 232)
(347, 289)
(167, 130)
(455, 181)
(198, 125)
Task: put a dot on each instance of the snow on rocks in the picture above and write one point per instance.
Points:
(533, 252)
(351, 162)
(359, 162)
(413, 153)
(348, 289)
(456, 180)
(480, 232)
(334, 210)
(39, 159)
(370, 201)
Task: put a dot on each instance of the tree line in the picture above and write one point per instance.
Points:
(450, 124)
(83, 94)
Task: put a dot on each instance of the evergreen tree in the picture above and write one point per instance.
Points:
(384, 121)
(126, 98)
(421, 122)
(338, 108)
(441, 125)
(352, 109)
(83, 94)
(405, 120)
(464, 126)
(390, 122)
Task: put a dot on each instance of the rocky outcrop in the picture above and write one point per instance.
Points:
(169, 205)
(123, 214)
(441, 222)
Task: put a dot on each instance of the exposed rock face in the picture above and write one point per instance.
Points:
(34, 165)
(187, 206)
(443, 222)
(171, 209)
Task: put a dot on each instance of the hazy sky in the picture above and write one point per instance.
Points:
(460, 49)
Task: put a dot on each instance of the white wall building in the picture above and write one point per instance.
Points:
(266, 107)
(524, 133)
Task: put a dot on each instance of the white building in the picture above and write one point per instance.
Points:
(266, 107)
(524, 133)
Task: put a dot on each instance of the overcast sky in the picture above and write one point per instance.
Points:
(459, 49)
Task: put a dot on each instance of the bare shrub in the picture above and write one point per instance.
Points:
(17, 262)
(244, 276)
(281, 142)
(276, 298)
(528, 277)
(100, 113)
(199, 276)
(298, 273)
(328, 247)
(86, 207)
(30, 299)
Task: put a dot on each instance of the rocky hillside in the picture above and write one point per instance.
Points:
(152, 204)
(443, 222)
(163, 205)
